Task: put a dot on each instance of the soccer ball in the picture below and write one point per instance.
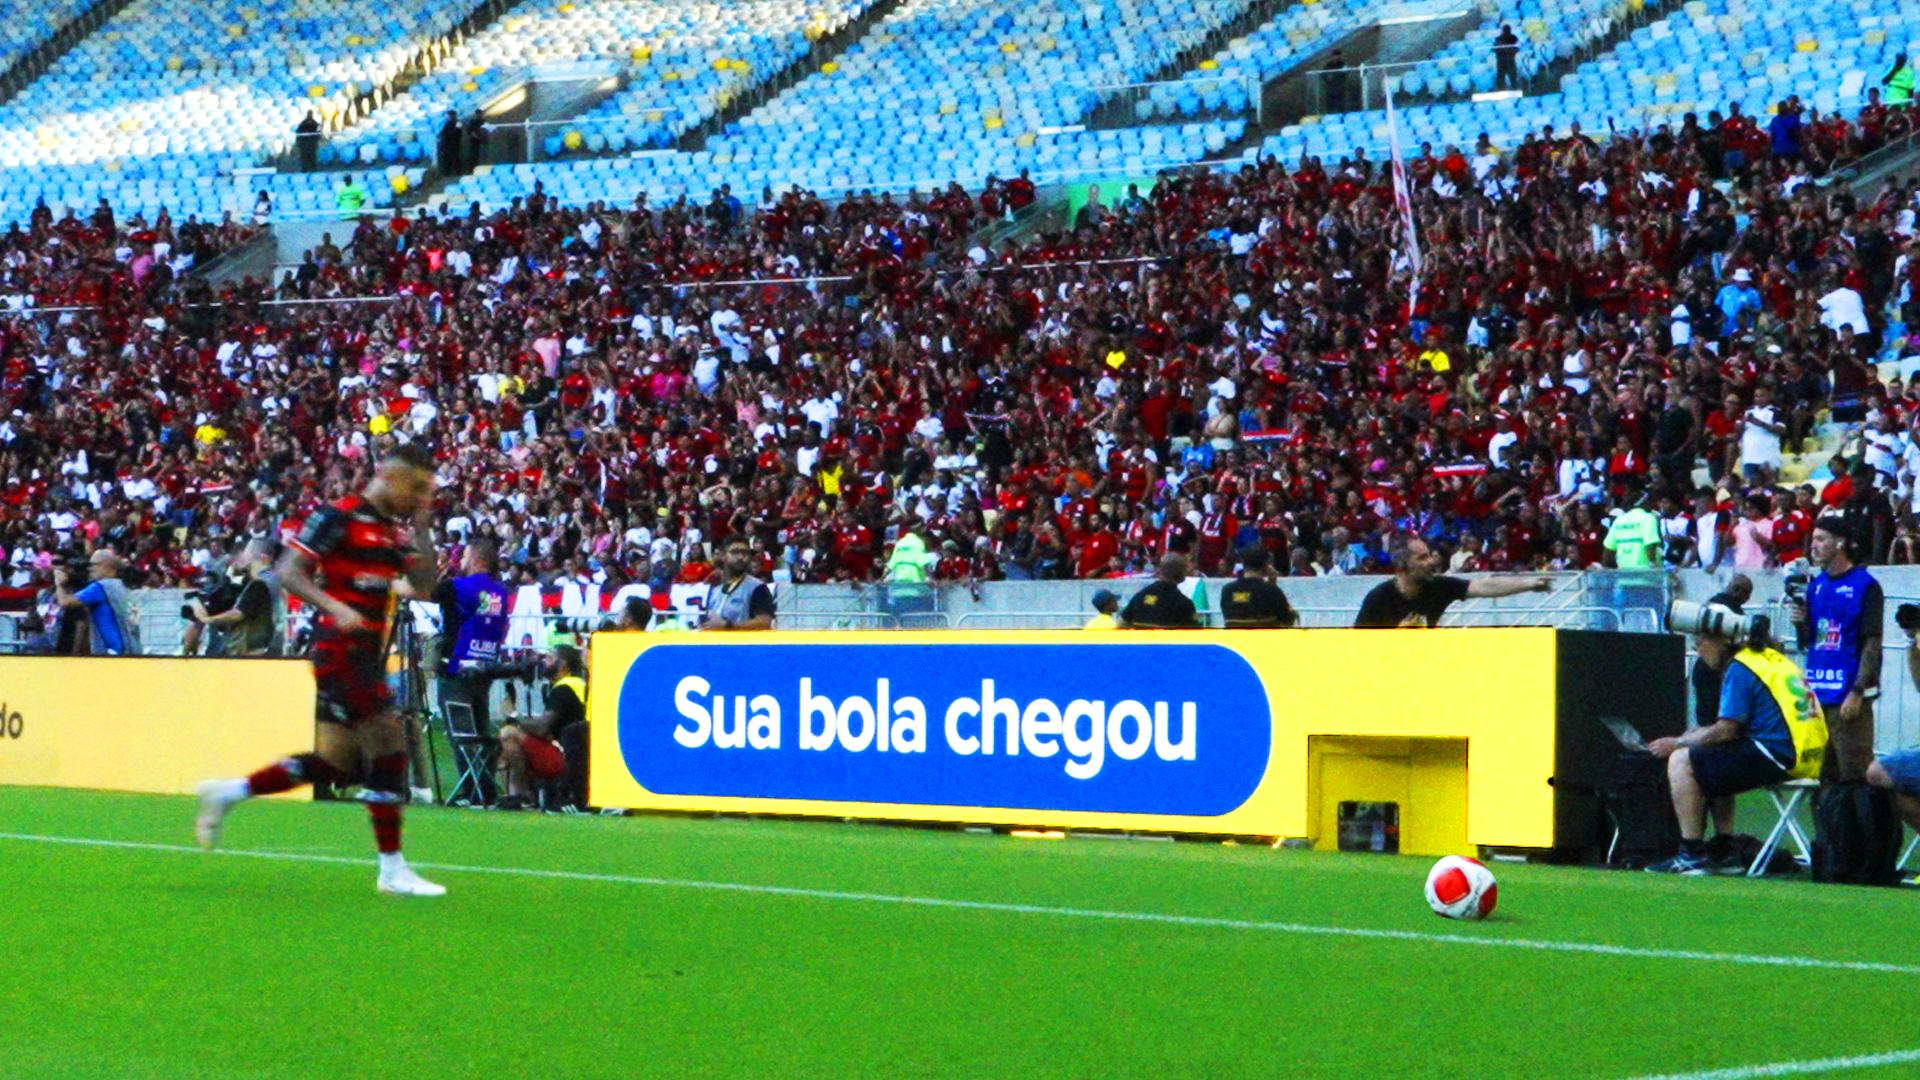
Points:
(1461, 888)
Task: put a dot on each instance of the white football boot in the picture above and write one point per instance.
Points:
(216, 798)
(398, 879)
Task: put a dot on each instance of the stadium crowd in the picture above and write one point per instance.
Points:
(1223, 361)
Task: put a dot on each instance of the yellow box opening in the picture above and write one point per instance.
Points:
(1426, 778)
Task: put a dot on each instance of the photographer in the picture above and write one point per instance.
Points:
(108, 608)
(738, 601)
(1838, 623)
(531, 746)
(1769, 729)
(1708, 674)
(213, 596)
(473, 620)
(242, 619)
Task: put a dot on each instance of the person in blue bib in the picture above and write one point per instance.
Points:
(1839, 625)
(473, 624)
(1770, 729)
(473, 609)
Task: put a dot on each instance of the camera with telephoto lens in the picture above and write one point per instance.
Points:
(1713, 620)
(216, 593)
(1908, 618)
(585, 624)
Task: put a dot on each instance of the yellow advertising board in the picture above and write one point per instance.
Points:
(1206, 732)
(148, 724)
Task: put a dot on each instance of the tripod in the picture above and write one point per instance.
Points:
(412, 704)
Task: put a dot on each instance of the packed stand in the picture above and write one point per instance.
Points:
(1675, 320)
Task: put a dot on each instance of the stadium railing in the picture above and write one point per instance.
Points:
(1360, 88)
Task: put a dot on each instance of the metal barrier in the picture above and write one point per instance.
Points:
(1021, 620)
(1357, 88)
(840, 620)
(1219, 97)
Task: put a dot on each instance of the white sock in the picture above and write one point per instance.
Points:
(232, 791)
(391, 863)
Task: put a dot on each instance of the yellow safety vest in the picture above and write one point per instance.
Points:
(576, 684)
(1805, 722)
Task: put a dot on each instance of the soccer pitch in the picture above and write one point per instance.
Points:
(678, 947)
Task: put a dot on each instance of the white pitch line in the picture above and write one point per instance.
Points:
(1152, 917)
(1798, 1068)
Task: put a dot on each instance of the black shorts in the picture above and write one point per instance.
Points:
(1730, 768)
(350, 678)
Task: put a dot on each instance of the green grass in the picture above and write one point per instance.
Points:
(155, 963)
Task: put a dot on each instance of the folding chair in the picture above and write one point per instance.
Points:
(1788, 824)
(472, 755)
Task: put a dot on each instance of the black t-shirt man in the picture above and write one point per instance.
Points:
(1255, 602)
(1387, 607)
(1162, 606)
(253, 636)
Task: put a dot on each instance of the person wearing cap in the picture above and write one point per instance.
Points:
(1105, 604)
(1737, 298)
(1839, 623)
(1707, 677)
(1252, 601)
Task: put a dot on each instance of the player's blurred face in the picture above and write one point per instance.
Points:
(403, 490)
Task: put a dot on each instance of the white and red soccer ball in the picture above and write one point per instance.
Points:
(1461, 888)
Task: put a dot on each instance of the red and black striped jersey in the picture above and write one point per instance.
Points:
(357, 552)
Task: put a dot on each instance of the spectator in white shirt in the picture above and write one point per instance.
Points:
(1843, 312)
(1761, 429)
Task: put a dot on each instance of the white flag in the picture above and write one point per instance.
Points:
(1403, 202)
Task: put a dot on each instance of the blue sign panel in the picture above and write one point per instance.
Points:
(1133, 729)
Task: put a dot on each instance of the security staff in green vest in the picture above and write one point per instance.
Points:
(349, 199)
(1899, 82)
(1634, 539)
(907, 591)
(1770, 730)
(739, 601)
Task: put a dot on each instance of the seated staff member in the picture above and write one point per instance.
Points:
(1770, 729)
(530, 745)
(1252, 600)
(1899, 772)
(1418, 594)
